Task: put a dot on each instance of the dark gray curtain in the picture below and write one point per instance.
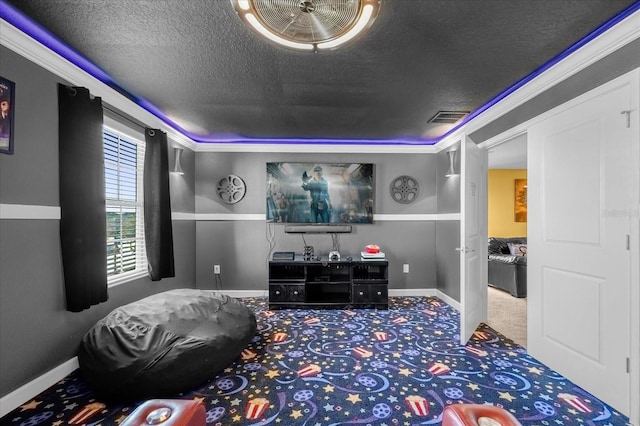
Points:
(158, 232)
(83, 232)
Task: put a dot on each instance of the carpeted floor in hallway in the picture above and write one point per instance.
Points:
(507, 315)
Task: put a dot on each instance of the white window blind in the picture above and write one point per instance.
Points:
(123, 172)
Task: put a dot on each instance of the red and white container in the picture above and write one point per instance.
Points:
(417, 404)
(255, 408)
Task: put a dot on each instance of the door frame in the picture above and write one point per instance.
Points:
(473, 237)
(633, 77)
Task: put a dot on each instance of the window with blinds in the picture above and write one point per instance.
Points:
(123, 168)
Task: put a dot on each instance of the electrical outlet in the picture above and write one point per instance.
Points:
(405, 268)
(216, 269)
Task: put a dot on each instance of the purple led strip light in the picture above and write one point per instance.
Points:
(38, 33)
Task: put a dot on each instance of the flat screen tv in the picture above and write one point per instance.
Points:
(329, 193)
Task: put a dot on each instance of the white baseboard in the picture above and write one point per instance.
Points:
(246, 293)
(23, 394)
(426, 292)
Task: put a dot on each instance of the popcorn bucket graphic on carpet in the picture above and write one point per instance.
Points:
(362, 352)
(477, 351)
(436, 303)
(280, 337)
(256, 408)
(312, 321)
(429, 312)
(381, 336)
(417, 404)
(248, 354)
(481, 335)
(86, 413)
(575, 401)
(309, 370)
(438, 368)
(269, 313)
(400, 320)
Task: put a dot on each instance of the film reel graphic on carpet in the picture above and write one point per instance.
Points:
(397, 366)
(231, 189)
(404, 189)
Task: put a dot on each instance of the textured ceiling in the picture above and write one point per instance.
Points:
(198, 64)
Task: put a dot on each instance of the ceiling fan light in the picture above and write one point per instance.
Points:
(253, 21)
(308, 25)
(363, 21)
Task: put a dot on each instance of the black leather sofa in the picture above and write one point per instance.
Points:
(507, 271)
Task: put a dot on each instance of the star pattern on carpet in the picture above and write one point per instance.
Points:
(399, 366)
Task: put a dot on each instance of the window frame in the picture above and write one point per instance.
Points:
(141, 265)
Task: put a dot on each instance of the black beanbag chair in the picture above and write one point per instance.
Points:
(164, 344)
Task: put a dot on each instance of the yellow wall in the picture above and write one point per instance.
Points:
(501, 196)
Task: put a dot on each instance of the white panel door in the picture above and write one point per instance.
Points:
(579, 181)
(473, 238)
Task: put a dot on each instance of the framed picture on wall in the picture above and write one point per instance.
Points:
(7, 89)
(520, 200)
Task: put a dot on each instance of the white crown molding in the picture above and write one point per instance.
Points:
(29, 48)
(629, 79)
(317, 148)
(614, 38)
(611, 40)
(41, 55)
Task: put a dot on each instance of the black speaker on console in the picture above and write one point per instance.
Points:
(317, 229)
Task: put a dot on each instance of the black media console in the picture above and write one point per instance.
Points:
(328, 283)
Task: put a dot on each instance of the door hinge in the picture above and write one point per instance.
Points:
(628, 242)
(628, 365)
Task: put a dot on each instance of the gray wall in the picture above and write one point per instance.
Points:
(448, 231)
(242, 248)
(448, 258)
(36, 332)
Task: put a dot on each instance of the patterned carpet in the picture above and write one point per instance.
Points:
(356, 367)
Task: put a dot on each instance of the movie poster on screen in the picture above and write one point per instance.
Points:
(7, 89)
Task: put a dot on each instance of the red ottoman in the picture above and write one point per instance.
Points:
(477, 414)
(167, 412)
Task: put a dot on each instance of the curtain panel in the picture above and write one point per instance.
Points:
(158, 231)
(83, 232)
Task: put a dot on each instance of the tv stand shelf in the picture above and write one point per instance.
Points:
(324, 283)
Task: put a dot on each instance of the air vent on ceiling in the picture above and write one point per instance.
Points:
(447, 117)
